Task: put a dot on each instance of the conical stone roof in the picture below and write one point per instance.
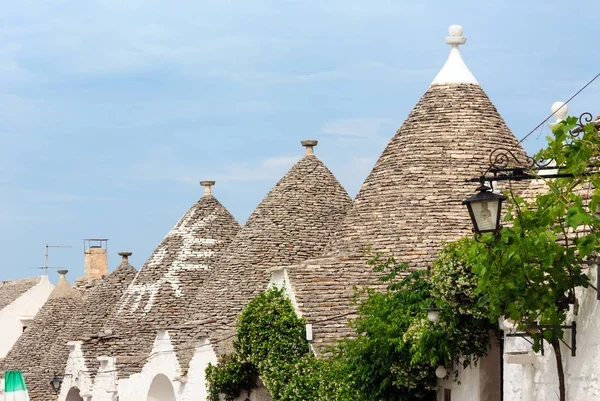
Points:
(163, 290)
(294, 222)
(97, 306)
(32, 352)
(411, 201)
(168, 281)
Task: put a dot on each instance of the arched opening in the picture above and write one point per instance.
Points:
(161, 389)
(74, 395)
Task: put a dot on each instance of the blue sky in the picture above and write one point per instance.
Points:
(112, 111)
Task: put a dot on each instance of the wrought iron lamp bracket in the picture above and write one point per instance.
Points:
(541, 328)
(505, 165)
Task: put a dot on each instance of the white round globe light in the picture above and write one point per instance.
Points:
(559, 110)
(441, 372)
(433, 316)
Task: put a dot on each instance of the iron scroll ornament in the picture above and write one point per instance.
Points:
(505, 165)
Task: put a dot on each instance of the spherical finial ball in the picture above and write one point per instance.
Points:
(559, 114)
(455, 30)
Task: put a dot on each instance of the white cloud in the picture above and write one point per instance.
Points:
(269, 169)
(173, 169)
(278, 162)
(367, 71)
(356, 127)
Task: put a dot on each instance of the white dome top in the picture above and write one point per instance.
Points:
(455, 70)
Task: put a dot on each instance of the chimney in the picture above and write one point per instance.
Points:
(95, 258)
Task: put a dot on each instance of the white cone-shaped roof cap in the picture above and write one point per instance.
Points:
(455, 70)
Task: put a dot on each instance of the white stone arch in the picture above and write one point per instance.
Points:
(76, 373)
(162, 360)
(161, 389)
(73, 395)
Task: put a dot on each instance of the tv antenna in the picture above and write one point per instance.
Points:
(46, 267)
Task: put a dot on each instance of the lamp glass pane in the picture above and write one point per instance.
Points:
(486, 214)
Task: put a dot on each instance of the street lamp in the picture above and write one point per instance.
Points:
(485, 208)
(441, 372)
(433, 313)
(56, 382)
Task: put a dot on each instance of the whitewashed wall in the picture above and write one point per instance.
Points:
(27, 305)
(477, 382)
(162, 361)
(196, 384)
(536, 378)
(76, 374)
(467, 389)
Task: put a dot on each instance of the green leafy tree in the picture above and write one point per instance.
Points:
(529, 272)
(396, 350)
(271, 344)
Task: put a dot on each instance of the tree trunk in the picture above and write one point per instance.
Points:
(559, 368)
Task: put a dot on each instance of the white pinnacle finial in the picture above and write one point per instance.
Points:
(455, 70)
(559, 110)
(455, 37)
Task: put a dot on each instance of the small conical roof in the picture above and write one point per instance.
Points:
(172, 275)
(294, 222)
(163, 291)
(63, 289)
(31, 354)
(97, 306)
